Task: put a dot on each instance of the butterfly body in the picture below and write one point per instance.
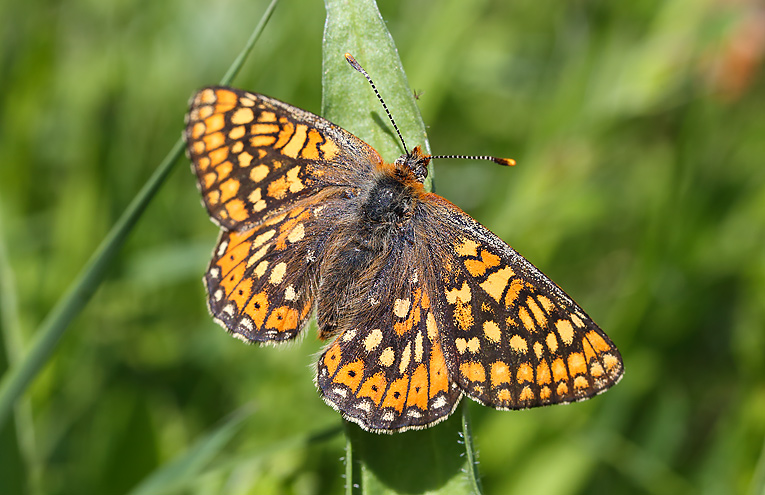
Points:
(420, 303)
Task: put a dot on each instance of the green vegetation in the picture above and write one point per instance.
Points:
(637, 127)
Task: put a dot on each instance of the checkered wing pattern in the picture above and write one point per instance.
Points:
(255, 156)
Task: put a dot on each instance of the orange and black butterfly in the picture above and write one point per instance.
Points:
(421, 304)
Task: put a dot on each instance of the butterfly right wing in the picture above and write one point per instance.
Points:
(255, 156)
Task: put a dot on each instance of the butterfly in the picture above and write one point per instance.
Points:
(420, 304)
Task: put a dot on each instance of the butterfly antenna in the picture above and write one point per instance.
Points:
(359, 68)
(509, 162)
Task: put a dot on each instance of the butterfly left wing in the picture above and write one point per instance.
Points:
(516, 339)
(261, 281)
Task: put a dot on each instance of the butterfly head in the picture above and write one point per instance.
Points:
(414, 163)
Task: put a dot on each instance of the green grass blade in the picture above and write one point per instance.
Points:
(431, 460)
(18, 378)
(184, 470)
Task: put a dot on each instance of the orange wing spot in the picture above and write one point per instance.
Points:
(562, 389)
(218, 156)
(283, 318)
(267, 117)
(565, 331)
(495, 284)
(242, 292)
(611, 362)
(396, 395)
(264, 237)
(237, 148)
(233, 278)
(545, 393)
(581, 383)
(294, 182)
(244, 159)
(504, 395)
(206, 96)
(576, 363)
(278, 188)
(233, 257)
(246, 102)
(350, 375)
(229, 189)
(203, 112)
(332, 358)
(463, 315)
(292, 148)
(209, 179)
(264, 128)
(539, 315)
(223, 170)
(475, 267)
(543, 373)
(596, 370)
(258, 173)
(418, 388)
(519, 344)
(243, 115)
(512, 292)
(559, 370)
(373, 387)
(214, 123)
(236, 132)
(311, 151)
(262, 140)
(468, 247)
(490, 259)
(198, 147)
(577, 321)
(525, 373)
(439, 377)
(236, 210)
(552, 342)
(462, 294)
(526, 394)
(197, 130)
(499, 373)
(214, 141)
(261, 153)
(473, 371)
(226, 97)
(598, 343)
(288, 128)
(492, 332)
(257, 308)
(526, 319)
(329, 149)
(213, 198)
(203, 162)
(538, 349)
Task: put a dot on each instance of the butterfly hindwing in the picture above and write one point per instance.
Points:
(261, 280)
(254, 155)
(386, 369)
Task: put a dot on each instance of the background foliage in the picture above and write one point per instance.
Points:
(640, 189)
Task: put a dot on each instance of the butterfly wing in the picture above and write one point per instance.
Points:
(261, 281)
(514, 339)
(255, 156)
(386, 369)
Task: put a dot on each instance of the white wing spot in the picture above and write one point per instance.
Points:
(277, 273)
(289, 293)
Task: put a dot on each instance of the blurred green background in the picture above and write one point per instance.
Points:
(639, 129)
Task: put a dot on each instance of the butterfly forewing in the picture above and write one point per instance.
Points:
(517, 339)
(254, 156)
